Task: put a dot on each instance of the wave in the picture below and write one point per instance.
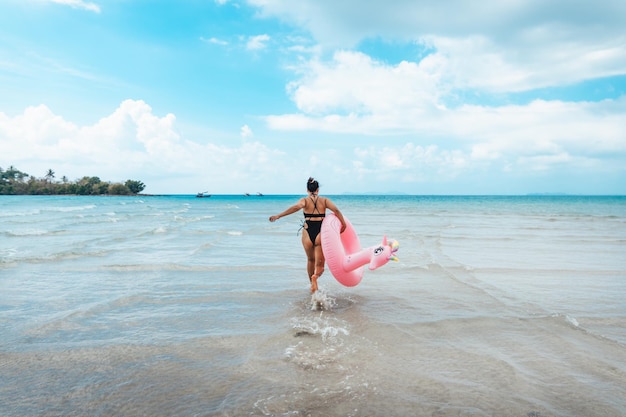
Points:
(31, 212)
(7, 256)
(95, 218)
(13, 256)
(203, 247)
(180, 267)
(193, 219)
(27, 232)
(69, 209)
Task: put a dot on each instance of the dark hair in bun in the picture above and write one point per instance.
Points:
(312, 185)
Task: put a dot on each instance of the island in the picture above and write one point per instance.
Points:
(15, 182)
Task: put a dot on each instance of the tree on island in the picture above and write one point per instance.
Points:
(16, 182)
(135, 187)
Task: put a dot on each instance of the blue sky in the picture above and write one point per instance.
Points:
(407, 96)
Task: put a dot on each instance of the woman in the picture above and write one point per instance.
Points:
(314, 211)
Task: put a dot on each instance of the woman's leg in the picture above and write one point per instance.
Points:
(309, 250)
(318, 263)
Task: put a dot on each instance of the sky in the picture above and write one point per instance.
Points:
(378, 96)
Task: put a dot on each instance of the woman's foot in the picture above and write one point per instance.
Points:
(314, 283)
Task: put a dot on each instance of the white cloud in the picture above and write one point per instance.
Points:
(257, 42)
(502, 47)
(410, 162)
(406, 119)
(347, 22)
(499, 47)
(354, 94)
(246, 132)
(214, 40)
(79, 4)
(479, 62)
(354, 83)
(134, 143)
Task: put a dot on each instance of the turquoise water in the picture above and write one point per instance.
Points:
(174, 305)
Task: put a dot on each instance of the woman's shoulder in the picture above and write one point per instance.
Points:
(329, 203)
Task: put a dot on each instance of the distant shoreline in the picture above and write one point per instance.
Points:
(333, 195)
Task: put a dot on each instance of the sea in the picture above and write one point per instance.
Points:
(182, 306)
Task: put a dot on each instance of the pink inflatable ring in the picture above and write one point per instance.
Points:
(344, 256)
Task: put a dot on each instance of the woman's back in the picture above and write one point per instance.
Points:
(314, 204)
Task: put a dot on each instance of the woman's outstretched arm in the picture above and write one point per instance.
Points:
(296, 207)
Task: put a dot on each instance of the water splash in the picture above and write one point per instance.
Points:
(322, 301)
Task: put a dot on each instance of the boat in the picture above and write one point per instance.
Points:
(203, 195)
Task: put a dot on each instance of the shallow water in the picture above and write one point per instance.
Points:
(174, 305)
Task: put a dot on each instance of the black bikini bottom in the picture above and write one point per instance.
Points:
(313, 229)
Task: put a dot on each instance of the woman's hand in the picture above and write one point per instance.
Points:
(274, 218)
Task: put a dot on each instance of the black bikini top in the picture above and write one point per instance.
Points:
(318, 214)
